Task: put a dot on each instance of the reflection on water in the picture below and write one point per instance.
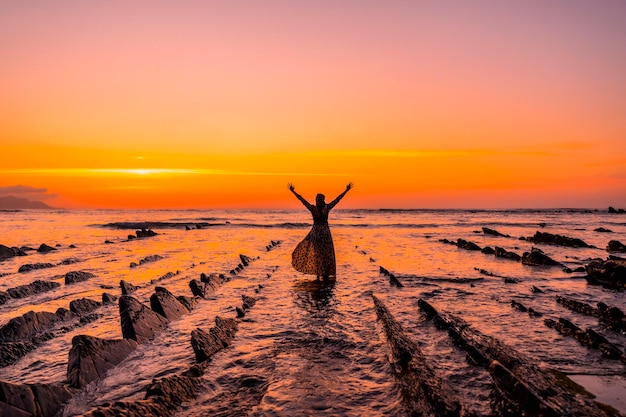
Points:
(310, 347)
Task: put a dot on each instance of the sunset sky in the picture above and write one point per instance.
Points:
(421, 104)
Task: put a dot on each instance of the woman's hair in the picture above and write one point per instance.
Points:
(320, 199)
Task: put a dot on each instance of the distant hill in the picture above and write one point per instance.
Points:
(15, 203)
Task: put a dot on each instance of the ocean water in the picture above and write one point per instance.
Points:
(311, 350)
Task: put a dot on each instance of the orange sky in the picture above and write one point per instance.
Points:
(221, 104)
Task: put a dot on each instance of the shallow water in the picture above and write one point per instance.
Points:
(302, 349)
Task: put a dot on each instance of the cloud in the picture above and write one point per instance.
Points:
(28, 192)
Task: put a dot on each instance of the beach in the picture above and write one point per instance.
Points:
(285, 344)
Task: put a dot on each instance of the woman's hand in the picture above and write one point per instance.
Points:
(290, 186)
(349, 186)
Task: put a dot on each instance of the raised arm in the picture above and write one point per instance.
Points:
(306, 203)
(339, 197)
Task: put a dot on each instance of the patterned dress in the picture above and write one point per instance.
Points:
(316, 253)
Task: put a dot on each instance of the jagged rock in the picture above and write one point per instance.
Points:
(127, 287)
(618, 211)
(31, 323)
(493, 232)
(551, 239)
(139, 322)
(108, 298)
(206, 344)
(536, 257)
(90, 358)
(165, 276)
(248, 302)
(424, 392)
(147, 259)
(83, 306)
(189, 302)
(77, 276)
(245, 260)
(612, 316)
(38, 400)
(11, 352)
(35, 287)
(164, 303)
(503, 253)
(577, 306)
(31, 267)
(394, 281)
(43, 248)
(7, 252)
(615, 246)
(464, 244)
(145, 233)
(609, 274)
(4, 297)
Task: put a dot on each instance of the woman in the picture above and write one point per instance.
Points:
(316, 254)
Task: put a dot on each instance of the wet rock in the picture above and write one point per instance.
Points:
(127, 287)
(145, 233)
(609, 274)
(587, 337)
(43, 248)
(602, 230)
(108, 242)
(7, 252)
(31, 267)
(245, 260)
(465, 244)
(91, 357)
(612, 316)
(11, 352)
(139, 322)
(147, 259)
(38, 400)
(165, 276)
(69, 261)
(493, 232)
(612, 210)
(108, 298)
(188, 228)
(31, 323)
(164, 303)
(206, 344)
(35, 287)
(393, 280)
(536, 257)
(577, 306)
(198, 288)
(488, 250)
(424, 392)
(615, 246)
(73, 277)
(503, 253)
(552, 239)
(83, 306)
(248, 302)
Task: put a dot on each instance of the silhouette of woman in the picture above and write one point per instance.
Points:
(316, 253)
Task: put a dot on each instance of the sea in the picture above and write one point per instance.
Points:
(307, 349)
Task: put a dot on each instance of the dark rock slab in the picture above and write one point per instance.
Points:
(493, 232)
(488, 250)
(165, 304)
(145, 232)
(612, 210)
(83, 306)
(424, 392)
(553, 239)
(38, 400)
(11, 352)
(73, 277)
(602, 230)
(465, 244)
(32, 267)
(536, 257)
(147, 259)
(7, 252)
(206, 344)
(31, 323)
(615, 246)
(189, 302)
(609, 274)
(91, 357)
(587, 337)
(139, 322)
(127, 287)
(577, 306)
(503, 253)
(43, 248)
(612, 316)
(33, 288)
(521, 386)
(108, 298)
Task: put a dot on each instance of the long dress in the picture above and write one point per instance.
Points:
(316, 253)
